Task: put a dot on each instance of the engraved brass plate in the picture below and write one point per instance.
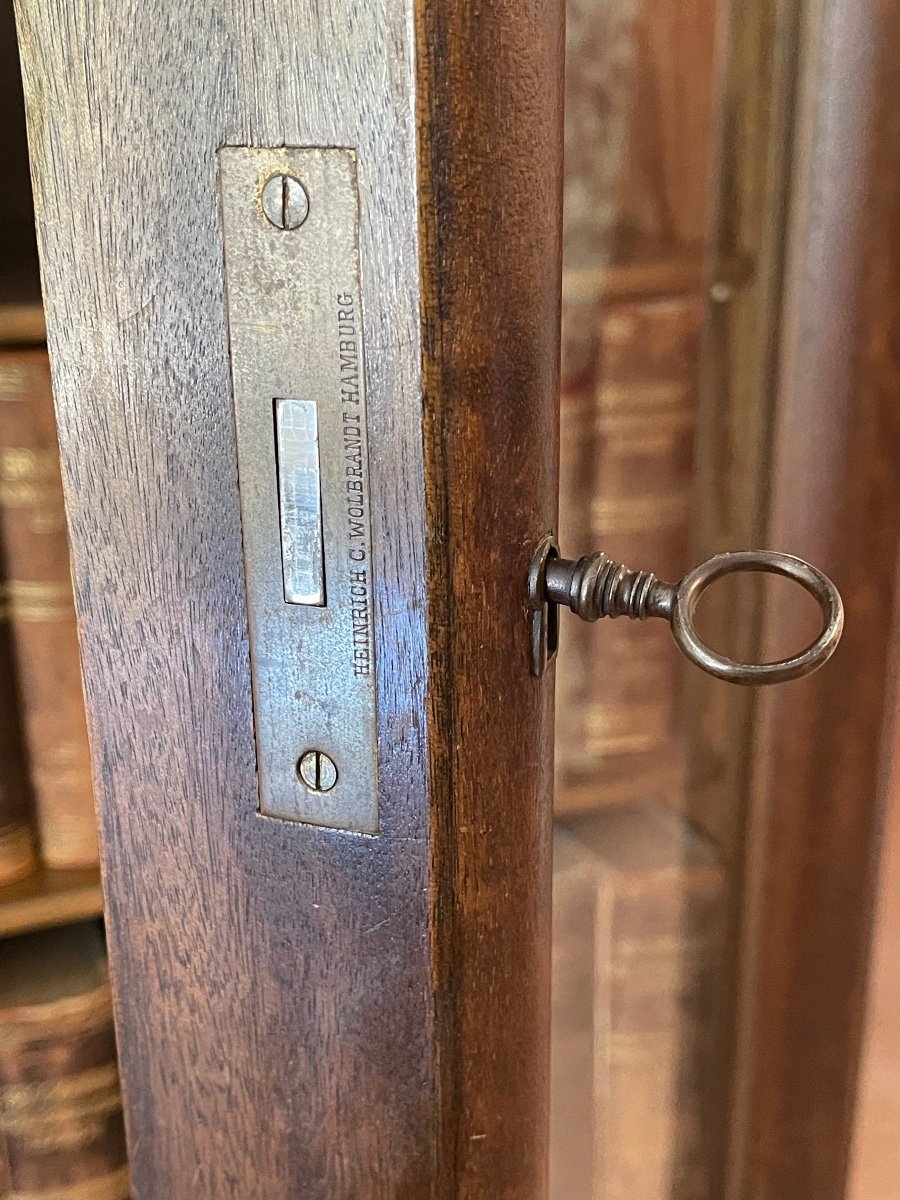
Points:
(290, 220)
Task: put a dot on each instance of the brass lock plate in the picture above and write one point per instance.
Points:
(291, 230)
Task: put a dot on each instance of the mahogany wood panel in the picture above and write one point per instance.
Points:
(303, 1012)
(491, 80)
(835, 500)
(759, 69)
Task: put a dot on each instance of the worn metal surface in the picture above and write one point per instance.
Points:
(544, 611)
(300, 500)
(295, 324)
(597, 586)
(686, 597)
(317, 771)
(285, 201)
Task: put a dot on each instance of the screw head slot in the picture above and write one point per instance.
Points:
(317, 771)
(285, 201)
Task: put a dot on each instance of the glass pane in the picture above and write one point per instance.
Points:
(674, 201)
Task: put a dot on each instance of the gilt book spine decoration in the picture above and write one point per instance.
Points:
(17, 844)
(637, 910)
(60, 1102)
(42, 614)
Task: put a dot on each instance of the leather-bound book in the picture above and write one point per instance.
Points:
(572, 1070)
(637, 915)
(627, 486)
(60, 1104)
(42, 614)
(17, 844)
(640, 113)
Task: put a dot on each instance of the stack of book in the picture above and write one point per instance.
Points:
(640, 118)
(60, 1102)
(46, 805)
(637, 942)
(45, 775)
(61, 1131)
(639, 888)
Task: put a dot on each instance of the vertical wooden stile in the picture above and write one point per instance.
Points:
(305, 1011)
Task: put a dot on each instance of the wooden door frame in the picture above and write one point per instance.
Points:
(303, 1012)
(822, 746)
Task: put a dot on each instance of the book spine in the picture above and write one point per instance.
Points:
(635, 1008)
(653, 1093)
(656, 998)
(627, 484)
(17, 844)
(577, 668)
(42, 614)
(60, 1103)
(4, 1172)
(575, 896)
(639, 122)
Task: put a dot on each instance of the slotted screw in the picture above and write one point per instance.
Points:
(317, 771)
(285, 202)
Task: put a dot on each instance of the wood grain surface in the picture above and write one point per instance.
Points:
(303, 1012)
(760, 66)
(491, 176)
(836, 501)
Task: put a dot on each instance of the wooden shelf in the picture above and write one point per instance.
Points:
(45, 898)
(657, 775)
(666, 274)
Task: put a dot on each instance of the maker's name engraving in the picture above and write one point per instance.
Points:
(296, 317)
(356, 485)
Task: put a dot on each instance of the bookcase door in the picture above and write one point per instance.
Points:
(315, 997)
(324, 992)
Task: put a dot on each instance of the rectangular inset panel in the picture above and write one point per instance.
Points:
(295, 320)
(300, 500)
